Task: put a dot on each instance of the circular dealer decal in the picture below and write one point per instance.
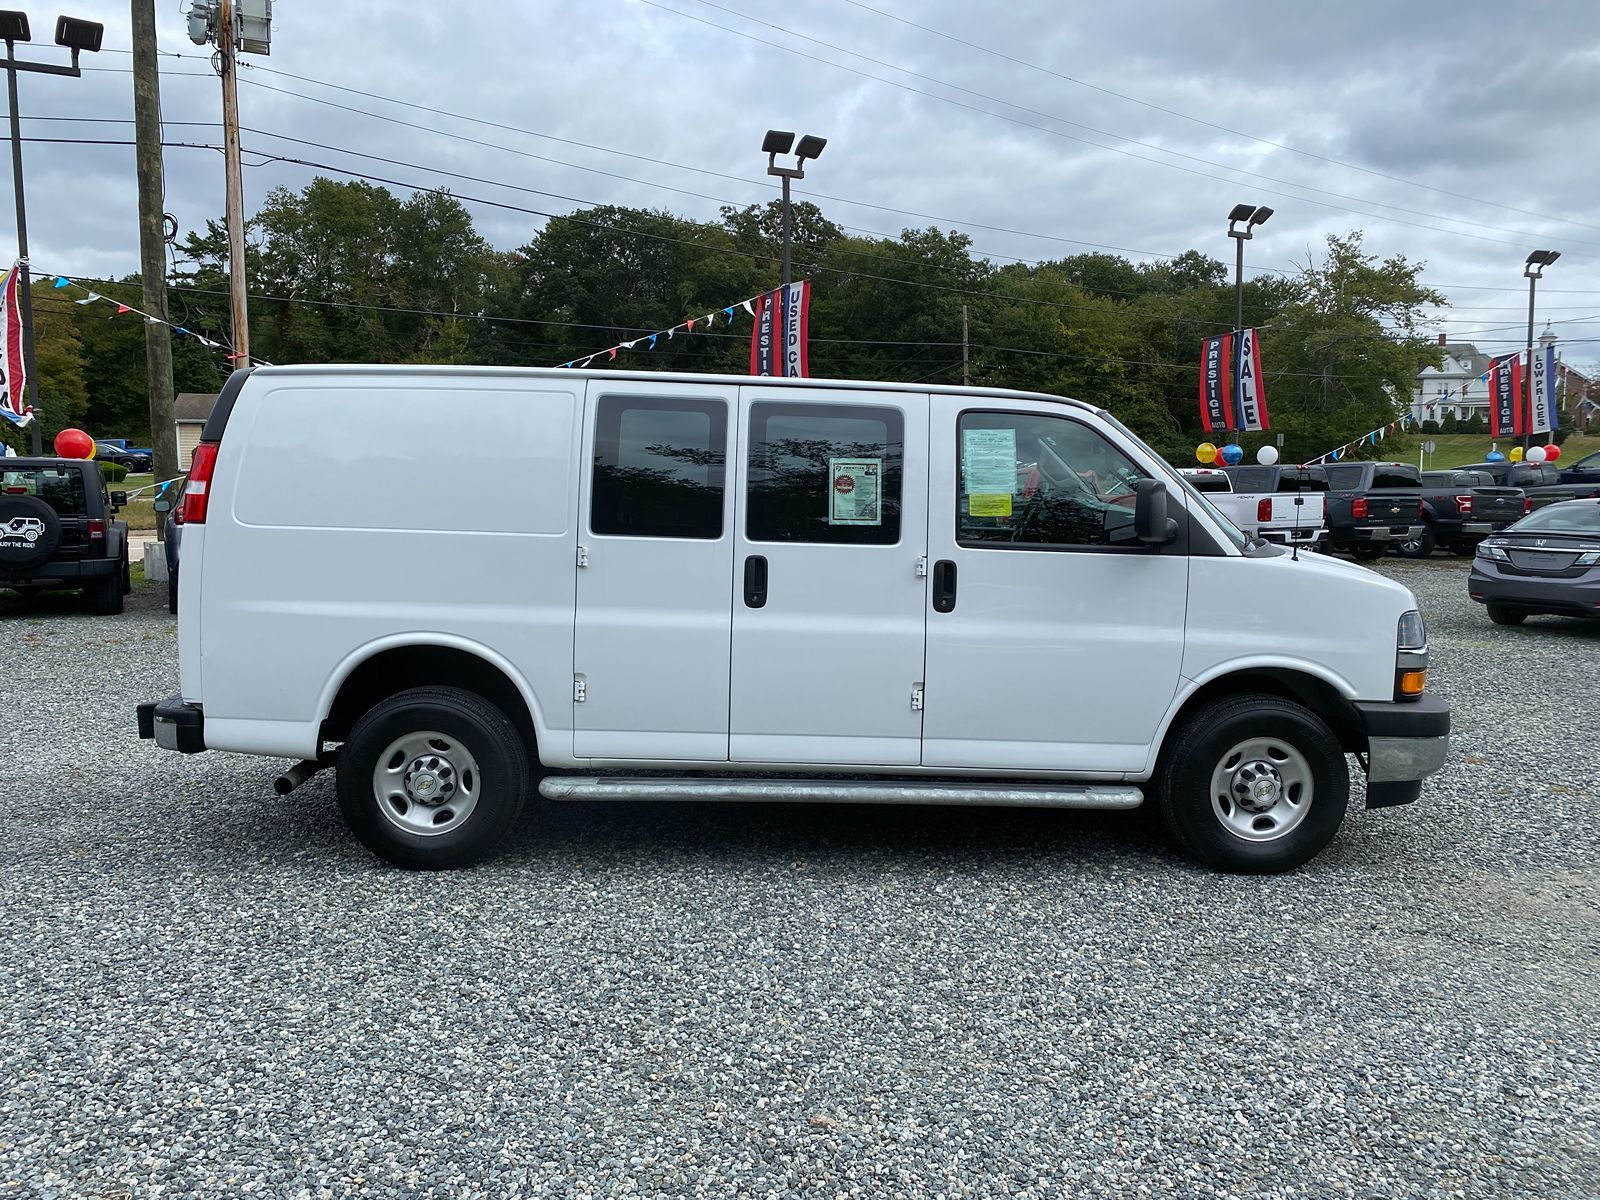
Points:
(844, 485)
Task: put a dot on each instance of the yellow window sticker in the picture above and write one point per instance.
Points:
(990, 505)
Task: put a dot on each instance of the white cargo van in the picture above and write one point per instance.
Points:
(466, 586)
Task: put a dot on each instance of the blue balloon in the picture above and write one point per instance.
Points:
(1233, 454)
(1494, 456)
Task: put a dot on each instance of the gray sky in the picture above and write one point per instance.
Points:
(1481, 115)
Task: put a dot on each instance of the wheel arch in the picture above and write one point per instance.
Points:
(1319, 690)
(388, 666)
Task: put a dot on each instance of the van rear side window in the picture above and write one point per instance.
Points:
(659, 467)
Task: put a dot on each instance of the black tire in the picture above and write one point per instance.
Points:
(1198, 748)
(1501, 615)
(1420, 546)
(487, 734)
(1368, 551)
(172, 591)
(104, 595)
(127, 575)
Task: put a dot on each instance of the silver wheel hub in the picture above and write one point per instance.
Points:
(1262, 789)
(426, 783)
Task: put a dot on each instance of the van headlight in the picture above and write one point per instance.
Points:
(1410, 656)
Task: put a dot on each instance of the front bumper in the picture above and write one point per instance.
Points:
(173, 724)
(1406, 742)
(1577, 596)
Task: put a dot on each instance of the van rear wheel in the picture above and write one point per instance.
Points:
(1253, 784)
(433, 778)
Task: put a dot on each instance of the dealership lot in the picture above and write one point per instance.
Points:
(210, 990)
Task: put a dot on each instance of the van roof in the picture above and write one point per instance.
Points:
(455, 372)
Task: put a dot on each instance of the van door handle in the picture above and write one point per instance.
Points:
(755, 581)
(944, 586)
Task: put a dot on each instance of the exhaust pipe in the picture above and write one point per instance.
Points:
(298, 774)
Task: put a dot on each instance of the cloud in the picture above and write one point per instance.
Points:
(1472, 100)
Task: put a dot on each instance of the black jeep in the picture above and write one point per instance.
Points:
(58, 529)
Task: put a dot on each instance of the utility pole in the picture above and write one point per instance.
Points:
(966, 333)
(1534, 270)
(152, 251)
(227, 48)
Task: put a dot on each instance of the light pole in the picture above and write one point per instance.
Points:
(1251, 216)
(778, 142)
(1537, 262)
(76, 36)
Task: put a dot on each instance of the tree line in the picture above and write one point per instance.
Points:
(351, 272)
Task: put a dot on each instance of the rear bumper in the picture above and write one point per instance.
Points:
(61, 574)
(1406, 742)
(1294, 537)
(1578, 596)
(173, 725)
(1378, 533)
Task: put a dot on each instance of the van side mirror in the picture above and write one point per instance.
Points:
(1151, 524)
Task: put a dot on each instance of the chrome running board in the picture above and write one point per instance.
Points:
(1114, 797)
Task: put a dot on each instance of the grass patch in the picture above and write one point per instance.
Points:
(1459, 449)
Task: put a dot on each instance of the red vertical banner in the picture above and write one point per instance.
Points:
(780, 343)
(1216, 370)
(14, 386)
(763, 337)
(1506, 410)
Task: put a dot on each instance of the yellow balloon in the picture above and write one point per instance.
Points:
(1206, 452)
(1516, 454)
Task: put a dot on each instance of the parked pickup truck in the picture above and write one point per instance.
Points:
(1371, 504)
(1541, 482)
(1459, 509)
(1282, 502)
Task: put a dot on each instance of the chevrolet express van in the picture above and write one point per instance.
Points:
(465, 587)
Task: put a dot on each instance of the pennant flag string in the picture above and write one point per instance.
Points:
(91, 297)
(691, 325)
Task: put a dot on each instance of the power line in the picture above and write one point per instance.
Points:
(1102, 133)
(1212, 124)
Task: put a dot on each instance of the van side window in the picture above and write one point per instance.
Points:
(825, 473)
(1027, 479)
(659, 467)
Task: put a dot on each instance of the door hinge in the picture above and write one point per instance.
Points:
(580, 690)
(922, 567)
(583, 556)
(916, 699)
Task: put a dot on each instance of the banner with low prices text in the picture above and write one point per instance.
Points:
(779, 343)
(1216, 371)
(1505, 394)
(1251, 406)
(1542, 390)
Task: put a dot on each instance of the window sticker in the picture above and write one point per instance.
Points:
(854, 497)
(989, 505)
(989, 462)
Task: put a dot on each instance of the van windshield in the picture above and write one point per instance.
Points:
(1196, 499)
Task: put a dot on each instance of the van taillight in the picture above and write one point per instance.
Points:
(1358, 508)
(97, 530)
(198, 492)
(1464, 505)
(1264, 509)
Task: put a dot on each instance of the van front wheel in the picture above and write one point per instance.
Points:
(432, 778)
(1253, 784)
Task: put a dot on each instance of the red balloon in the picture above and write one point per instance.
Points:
(1552, 452)
(74, 443)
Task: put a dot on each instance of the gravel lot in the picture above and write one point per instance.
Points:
(207, 990)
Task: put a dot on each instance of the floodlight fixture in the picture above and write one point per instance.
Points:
(777, 141)
(1241, 212)
(77, 34)
(14, 26)
(1538, 261)
(1249, 215)
(810, 146)
(1261, 215)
